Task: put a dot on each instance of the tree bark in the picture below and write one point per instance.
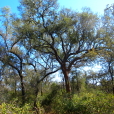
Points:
(112, 84)
(35, 100)
(22, 90)
(66, 77)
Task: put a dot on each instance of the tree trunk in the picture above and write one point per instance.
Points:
(41, 90)
(36, 93)
(113, 89)
(63, 86)
(35, 100)
(112, 84)
(15, 87)
(66, 77)
(22, 90)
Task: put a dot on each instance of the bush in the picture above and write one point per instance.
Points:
(12, 109)
(48, 98)
(87, 103)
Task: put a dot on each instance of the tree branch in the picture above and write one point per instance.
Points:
(47, 75)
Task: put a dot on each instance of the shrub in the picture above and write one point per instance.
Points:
(12, 109)
(86, 103)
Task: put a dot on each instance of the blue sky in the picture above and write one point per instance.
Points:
(96, 6)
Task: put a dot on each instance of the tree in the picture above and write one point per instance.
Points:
(64, 36)
(108, 53)
(11, 53)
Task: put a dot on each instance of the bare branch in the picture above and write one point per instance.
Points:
(48, 75)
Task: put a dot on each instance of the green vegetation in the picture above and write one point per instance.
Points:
(45, 41)
(84, 103)
(62, 103)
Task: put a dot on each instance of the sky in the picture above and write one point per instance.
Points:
(96, 6)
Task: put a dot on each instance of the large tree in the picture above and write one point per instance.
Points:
(64, 36)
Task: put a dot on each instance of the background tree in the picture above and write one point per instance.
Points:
(108, 51)
(11, 52)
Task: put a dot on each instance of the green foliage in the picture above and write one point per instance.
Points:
(12, 109)
(50, 96)
(84, 103)
(64, 103)
(47, 38)
(106, 85)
